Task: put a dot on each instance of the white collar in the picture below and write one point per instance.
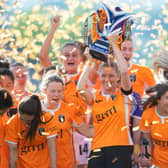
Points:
(52, 111)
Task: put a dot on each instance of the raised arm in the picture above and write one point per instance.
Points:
(122, 64)
(44, 59)
(85, 93)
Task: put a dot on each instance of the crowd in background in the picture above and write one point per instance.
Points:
(88, 113)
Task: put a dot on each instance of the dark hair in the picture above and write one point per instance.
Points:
(52, 67)
(74, 44)
(6, 100)
(82, 49)
(4, 63)
(7, 72)
(51, 78)
(31, 105)
(112, 64)
(80, 45)
(17, 64)
(157, 92)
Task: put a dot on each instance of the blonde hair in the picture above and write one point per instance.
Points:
(160, 60)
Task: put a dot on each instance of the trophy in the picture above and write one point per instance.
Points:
(102, 24)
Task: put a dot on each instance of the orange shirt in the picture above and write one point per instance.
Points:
(157, 126)
(111, 120)
(71, 95)
(33, 154)
(64, 116)
(141, 76)
(4, 152)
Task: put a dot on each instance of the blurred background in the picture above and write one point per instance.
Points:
(24, 25)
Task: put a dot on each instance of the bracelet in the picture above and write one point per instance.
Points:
(137, 149)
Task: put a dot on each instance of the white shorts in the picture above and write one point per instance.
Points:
(82, 146)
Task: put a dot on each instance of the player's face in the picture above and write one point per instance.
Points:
(127, 50)
(108, 78)
(163, 102)
(20, 75)
(6, 83)
(26, 119)
(71, 59)
(54, 93)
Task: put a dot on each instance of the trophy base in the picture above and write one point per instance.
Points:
(98, 55)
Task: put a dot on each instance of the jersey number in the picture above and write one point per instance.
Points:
(83, 149)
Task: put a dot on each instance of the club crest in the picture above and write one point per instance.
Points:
(61, 118)
(132, 77)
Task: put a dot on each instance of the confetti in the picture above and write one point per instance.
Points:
(134, 129)
(155, 122)
(157, 134)
(5, 95)
(125, 127)
(146, 123)
(70, 104)
(63, 57)
(15, 3)
(81, 91)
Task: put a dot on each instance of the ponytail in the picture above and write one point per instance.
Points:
(156, 92)
(6, 100)
(31, 106)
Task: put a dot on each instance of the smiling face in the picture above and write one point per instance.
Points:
(54, 93)
(20, 76)
(127, 50)
(163, 102)
(72, 59)
(6, 83)
(108, 78)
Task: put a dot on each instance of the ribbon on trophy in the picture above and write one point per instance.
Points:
(102, 24)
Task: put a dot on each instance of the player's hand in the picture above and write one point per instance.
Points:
(135, 159)
(55, 22)
(145, 162)
(91, 59)
(113, 38)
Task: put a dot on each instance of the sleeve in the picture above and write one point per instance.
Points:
(144, 124)
(149, 77)
(136, 108)
(11, 135)
(50, 125)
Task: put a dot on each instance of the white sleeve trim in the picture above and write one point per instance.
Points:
(51, 136)
(144, 131)
(10, 142)
(137, 117)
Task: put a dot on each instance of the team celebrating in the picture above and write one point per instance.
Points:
(88, 113)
